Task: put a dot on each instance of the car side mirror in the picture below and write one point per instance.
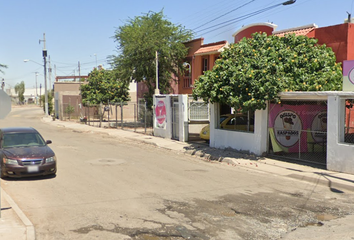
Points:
(48, 141)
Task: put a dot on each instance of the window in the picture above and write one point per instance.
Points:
(187, 78)
(22, 140)
(205, 66)
(198, 110)
(236, 120)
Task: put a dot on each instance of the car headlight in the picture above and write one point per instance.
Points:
(50, 159)
(9, 161)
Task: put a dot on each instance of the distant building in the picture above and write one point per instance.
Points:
(30, 95)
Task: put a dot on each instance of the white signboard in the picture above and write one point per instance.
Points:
(287, 128)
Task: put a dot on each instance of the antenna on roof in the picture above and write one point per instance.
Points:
(349, 17)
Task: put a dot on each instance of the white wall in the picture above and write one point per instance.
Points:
(340, 155)
(166, 132)
(255, 142)
(183, 117)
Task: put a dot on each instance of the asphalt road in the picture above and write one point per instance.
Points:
(110, 188)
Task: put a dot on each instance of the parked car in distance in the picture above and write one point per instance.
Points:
(24, 153)
(229, 122)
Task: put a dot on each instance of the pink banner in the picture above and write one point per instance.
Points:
(286, 122)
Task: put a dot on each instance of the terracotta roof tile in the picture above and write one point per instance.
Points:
(211, 48)
(304, 30)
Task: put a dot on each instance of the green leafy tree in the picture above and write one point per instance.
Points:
(138, 42)
(257, 69)
(20, 90)
(103, 86)
(69, 110)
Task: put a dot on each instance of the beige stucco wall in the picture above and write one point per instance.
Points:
(67, 86)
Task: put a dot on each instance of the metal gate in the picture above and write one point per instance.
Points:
(298, 131)
(175, 117)
(197, 110)
(198, 117)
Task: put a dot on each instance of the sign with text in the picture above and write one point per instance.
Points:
(288, 123)
(287, 128)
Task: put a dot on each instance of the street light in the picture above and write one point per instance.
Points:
(288, 2)
(29, 60)
(45, 83)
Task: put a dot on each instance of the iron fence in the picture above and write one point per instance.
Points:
(198, 110)
(131, 116)
(312, 148)
(349, 121)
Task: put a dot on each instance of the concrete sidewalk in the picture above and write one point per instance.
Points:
(15, 225)
(13, 222)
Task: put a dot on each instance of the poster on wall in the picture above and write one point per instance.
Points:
(348, 75)
(287, 128)
(295, 128)
(319, 127)
(160, 114)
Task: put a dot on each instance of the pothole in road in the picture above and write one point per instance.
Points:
(264, 215)
(164, 233)
(107, 161)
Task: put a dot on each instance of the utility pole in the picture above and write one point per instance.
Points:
(36, 89)
(45, 75)
(50, 75)
(55, 72)
(79, 68)
(40, 91)
(157, 90)
(3, 84)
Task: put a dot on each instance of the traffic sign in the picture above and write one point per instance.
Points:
(5, 104)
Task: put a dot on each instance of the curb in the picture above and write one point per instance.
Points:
(30, 231)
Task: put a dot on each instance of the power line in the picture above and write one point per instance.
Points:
(224, 14)
(234, 20)
(272, 12)
(204, 13)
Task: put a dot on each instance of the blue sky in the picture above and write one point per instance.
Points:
(81, 31)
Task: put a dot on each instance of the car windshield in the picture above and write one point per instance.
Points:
(22, 140)
(222, 118)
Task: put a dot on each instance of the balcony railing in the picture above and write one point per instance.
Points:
(187, 82)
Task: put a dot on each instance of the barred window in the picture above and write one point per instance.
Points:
(198, 111)
(349, 121)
